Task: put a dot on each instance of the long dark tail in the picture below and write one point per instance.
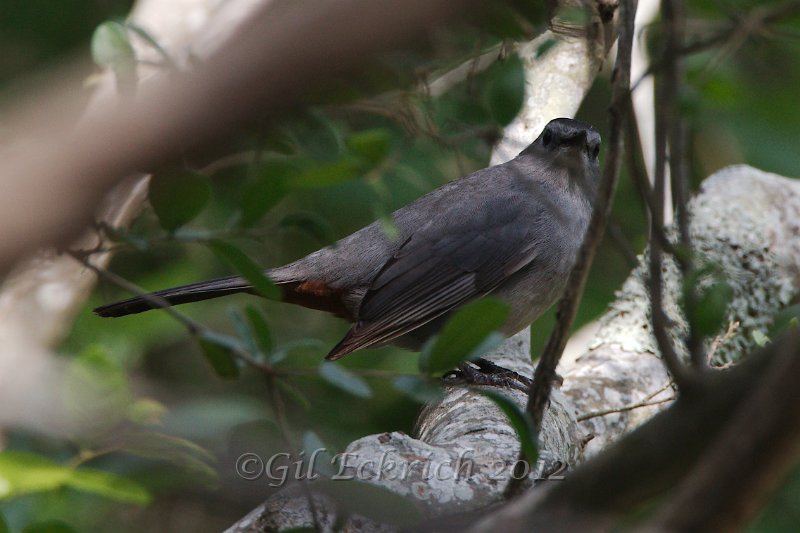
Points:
(194, 292)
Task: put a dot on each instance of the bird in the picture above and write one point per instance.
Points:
(511, 231)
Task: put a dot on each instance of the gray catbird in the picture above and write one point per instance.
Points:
(511, 230)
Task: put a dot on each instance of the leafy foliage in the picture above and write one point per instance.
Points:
(339, 377)
(372, 143)
(371, 501)
(470, 333)
(24, 472)
(521, 423)
(247, 268)
(178, 197)
(111, 48)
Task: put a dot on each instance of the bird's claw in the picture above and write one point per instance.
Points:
(486, 373)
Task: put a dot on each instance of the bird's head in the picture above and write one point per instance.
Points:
(571, 144)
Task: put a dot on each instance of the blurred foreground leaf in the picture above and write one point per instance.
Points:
(112, 49)
(417, 388)
(371, 501)
(49, 526)
(247, 268)
(468, 334)
(178, 197)
(372, 145)
(219, 351)
(339, 377)
(181, 452)
(506, 91)
(519, 421)
(25, 472)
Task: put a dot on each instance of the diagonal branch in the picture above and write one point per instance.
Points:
(567, 308)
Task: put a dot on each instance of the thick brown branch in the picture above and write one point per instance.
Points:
(642, 466)
(62, 170)
(727, 487)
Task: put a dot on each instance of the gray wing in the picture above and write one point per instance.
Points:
(458, 256)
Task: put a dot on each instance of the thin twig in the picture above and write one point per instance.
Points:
(635, 165)
(664, 114)
(545, 373)
(644, 402)
(567, 308)
(197, 329)
(720, 340)
(674, 18)
(742, 27)
(622, 243)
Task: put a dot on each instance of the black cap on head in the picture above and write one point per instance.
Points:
(562, 133)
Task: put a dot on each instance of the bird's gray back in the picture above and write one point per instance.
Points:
(525, 194)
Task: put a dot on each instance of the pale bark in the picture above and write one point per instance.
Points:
(466, 426)
(745, 220)
(40, 298)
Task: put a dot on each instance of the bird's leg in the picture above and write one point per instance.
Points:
(484, 372)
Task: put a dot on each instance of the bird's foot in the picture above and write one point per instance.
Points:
(486, 373)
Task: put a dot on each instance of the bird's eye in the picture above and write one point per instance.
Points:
(595, 151)
(547, 138)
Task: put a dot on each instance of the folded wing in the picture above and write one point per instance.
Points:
(451, 260)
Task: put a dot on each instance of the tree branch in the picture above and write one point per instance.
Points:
(568, 306)
(613, 488)
(68, 168)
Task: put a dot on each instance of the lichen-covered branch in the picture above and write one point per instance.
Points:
(466, 428)
(744, 220)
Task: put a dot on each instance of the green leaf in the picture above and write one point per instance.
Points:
(502, 20)
(298, 397)
(519, 421)
(25, 472)
(372, 145)
(219, 351)
(244, 333)
(3, 524)
(109, 486)
(418, 389)
(97, 394)
(247, 268)
(267, 189)
(318, 454)
(466, 336)
(709, 313)
(282, 352)
(326, 174)
(311, 223)
(370, 501)
(339, 377)
(178, 197)
(545, 47)
(786, 318)
(260, 329)
(147, 412)
(49, 526)
(759, 338)
(178, 451)
(112, 49)
(506, 91)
